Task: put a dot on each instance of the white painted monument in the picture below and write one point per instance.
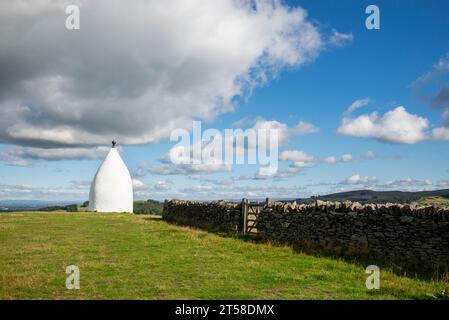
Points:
(112, 187)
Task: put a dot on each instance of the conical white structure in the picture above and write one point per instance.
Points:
(112, 187)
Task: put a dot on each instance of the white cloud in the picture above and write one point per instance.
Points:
(13, 160)
(184, 154)
(433, 87)
(407, 182)
(298, 159)
(19, 163)
(295, 156)
(401, 184)
(243, 122)
(357, 105)
(266, 173)
(347, 158)
(185, 164)
(357, 179)
(438, 69)
(57, 153)
(164, 64)
(81, 184)
(163, 185)
(330, 160)
(285, 172)
(304, 128)
(30, 192)
(441, 133)
(443, 184)
(395, 126)
(138, 185)
(339, 39)
(445, 117)
(182, 169)
(369, 155)
(239, 191)
(285, 133)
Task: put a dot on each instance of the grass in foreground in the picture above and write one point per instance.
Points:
(123, 256)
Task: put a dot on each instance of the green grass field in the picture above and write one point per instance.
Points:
(430, 201)
(123, 256)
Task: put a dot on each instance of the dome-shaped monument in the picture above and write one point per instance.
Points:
(112, 188)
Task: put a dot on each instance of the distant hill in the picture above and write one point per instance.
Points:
(380, 196)
(30, 205)
(140, 206)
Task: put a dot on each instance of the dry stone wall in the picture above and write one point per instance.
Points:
(218, 215)
(401, 234)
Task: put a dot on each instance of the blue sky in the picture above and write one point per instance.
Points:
(405, 63)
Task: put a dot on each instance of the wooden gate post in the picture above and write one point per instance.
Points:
(268, 201)
(245, 214)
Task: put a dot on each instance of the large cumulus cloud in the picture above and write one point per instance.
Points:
(137, 69)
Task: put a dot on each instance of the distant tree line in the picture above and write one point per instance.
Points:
(68, 208)
(140, 207)
(148, 207)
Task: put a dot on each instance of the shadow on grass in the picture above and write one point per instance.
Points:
(358, 258)
(155, 218)
(396, 292)
(365, 259)
(400, 292)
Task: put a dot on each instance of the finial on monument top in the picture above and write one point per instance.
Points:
(114, 143)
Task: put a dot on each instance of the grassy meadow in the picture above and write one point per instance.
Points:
(434, 201)
(124, 256)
